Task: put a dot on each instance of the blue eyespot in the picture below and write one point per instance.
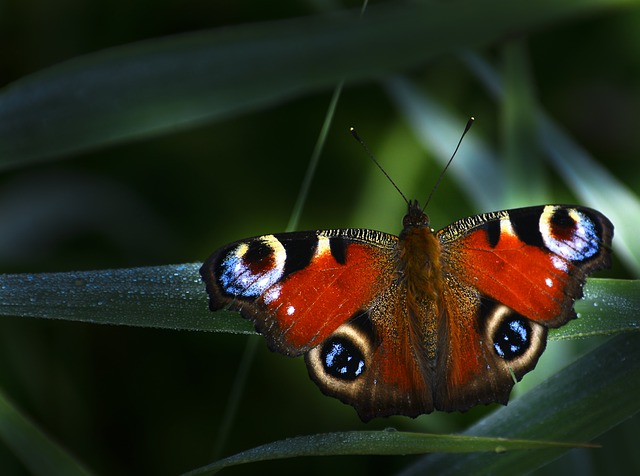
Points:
(342, 359)
(512, 338)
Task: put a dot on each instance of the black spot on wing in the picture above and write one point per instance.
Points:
(493, 232)
(344, 356)
(257, 252)
(562, 219)
(338, 247)
(300, 248)
(526, 224)
(342, 359)
(512, 337)
(512, 334)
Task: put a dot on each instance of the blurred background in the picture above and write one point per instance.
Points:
(145, 401)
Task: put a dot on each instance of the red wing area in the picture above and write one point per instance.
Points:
(389, 376)
(528, 279)
(473, 367)
(310, 304)
(298, 288)
(534, 260)
(395, 384)
(467, 373)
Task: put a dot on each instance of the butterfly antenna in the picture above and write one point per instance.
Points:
(372, 157)
(466, 129)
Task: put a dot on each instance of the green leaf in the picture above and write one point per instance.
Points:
(388, 442)
(609, 306)
(37, 452)
(175, 82)
(173, 297)
(170, 297)
(526, 181)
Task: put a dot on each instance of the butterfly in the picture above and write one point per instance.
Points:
(423, 321)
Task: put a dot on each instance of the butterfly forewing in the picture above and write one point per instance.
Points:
(534, 260)
(298, 288)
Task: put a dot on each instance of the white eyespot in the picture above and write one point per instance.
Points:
(249, 279)
(574, 241)
(549, 282)
(291, 310)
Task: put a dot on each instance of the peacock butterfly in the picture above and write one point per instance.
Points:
(404, 325)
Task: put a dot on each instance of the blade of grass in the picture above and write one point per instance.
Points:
(314, 159)
(609, 307)
(176, 82)
(170, 297)
(524, 174)
(173, 297)
(375, 443)
(592, 183)
(37, 452)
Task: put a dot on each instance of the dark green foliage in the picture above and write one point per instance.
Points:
(163, 148)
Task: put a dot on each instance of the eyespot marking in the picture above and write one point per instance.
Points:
(569, 233)
(512, 338)
(250, 269)
(515, 340)
(342, 359)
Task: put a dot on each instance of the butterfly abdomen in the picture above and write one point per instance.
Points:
(420, 275)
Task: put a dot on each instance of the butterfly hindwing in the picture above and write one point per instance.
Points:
(485, 347)
(374, 370)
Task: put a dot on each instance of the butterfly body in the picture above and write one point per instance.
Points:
(422, 321)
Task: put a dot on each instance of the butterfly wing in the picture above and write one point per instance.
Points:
(512, 275)
(332, 296)
(404, 325)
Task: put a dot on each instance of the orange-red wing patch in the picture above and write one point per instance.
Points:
(313, 302)
(526, 278)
